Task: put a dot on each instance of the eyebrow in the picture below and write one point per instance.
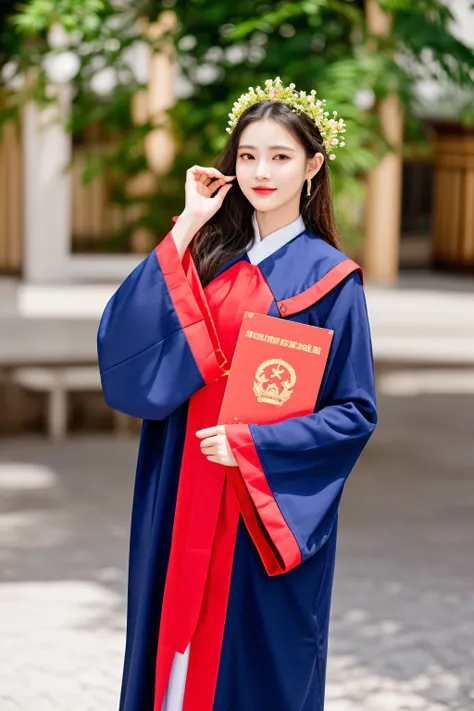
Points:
(253, 148)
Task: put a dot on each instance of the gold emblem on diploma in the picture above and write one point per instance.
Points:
(280, 376)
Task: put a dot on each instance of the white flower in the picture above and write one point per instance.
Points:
(104, 81)
(206, 73)
(298, 102)
(187, 42)
(9, 70)
(61, 68)
(364, 99)
(12, 79)
(112, 45)
(137, 58)
(183, 87)
(58, 37)
(214, 54)
(236, 53)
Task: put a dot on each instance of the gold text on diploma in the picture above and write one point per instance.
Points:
(308, 347)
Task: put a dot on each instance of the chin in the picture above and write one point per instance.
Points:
(265, 208)
(264, 203)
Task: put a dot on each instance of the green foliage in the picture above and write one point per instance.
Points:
(37, 16)
(223, 49)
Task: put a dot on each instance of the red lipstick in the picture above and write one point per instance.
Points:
(264, 191)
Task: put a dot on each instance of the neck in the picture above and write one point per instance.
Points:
(273, 220)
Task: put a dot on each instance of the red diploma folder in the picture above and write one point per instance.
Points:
(276, 370)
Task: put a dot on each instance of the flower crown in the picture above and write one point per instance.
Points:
(329, 128)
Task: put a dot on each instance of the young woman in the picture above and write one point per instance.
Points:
(230, 612)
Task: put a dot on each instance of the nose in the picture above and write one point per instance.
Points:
(262, 171)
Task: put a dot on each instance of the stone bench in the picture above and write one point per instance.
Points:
(57, 382)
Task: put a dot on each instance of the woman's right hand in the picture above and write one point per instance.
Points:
(205, 191)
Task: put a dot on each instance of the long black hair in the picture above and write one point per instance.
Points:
(228, 233)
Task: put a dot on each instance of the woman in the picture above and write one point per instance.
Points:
(229, 612)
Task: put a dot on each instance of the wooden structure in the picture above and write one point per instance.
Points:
(11, 202)
(453, 208)
(95, 217)
(384, 182)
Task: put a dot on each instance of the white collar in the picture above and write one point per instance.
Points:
(273, 241)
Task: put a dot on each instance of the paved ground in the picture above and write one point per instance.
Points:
(402, 633)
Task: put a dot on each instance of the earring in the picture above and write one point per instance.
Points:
(308, 190)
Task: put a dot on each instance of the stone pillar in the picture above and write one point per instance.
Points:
(47, 193)
(384, 183)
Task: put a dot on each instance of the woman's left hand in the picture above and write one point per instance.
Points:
(215, 445)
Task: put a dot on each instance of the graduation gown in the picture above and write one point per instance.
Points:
(231, 568)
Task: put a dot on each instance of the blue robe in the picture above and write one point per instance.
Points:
(163, 344)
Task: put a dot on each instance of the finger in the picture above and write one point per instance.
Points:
(210, 451)
(204, 179)
(220, 195)
(211, 173)
(217, 184)
(193, 172)
(207, 431)
(207, 171)
(210, 441)
(200, 179)
(225, 178)
(197, 173)
(201, 169)
(207, 180)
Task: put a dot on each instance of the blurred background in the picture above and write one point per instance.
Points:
(104, 104)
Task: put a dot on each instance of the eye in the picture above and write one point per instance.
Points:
(279, 155)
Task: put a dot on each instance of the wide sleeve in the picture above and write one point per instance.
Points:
(157, 343)
(291, 474)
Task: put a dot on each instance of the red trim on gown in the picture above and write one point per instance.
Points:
(308, 297)
(207, 510)
(270, 533)
(191, 306)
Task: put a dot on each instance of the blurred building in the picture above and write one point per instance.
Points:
(56, 230)
(437, 215)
